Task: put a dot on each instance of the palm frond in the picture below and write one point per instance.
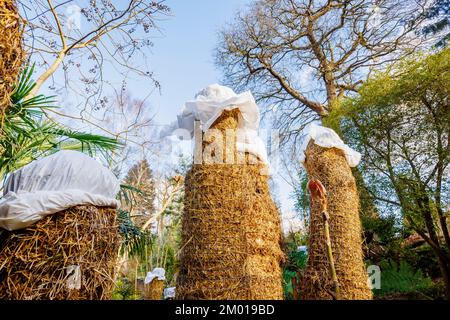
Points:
(85, 142)
(26, 135)
(136, 242)
(24, 86)
(127, 194)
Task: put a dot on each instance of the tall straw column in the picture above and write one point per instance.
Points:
(231, 228)
(11, 51)
(67, 255)
(329, 166)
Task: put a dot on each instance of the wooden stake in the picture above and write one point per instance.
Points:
(326, 226)
(318, 193)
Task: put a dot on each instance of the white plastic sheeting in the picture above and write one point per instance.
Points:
(302, 249)
(55, 183)
(209, 104)
(327, 138)
(73, 277)
(157, 273)
(169, 293)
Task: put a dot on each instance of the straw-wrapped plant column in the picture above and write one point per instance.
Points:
(11, 51)
(336, 271)
(154, 290)
(231, 231)
(67, 255)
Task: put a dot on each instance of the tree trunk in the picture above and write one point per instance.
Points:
(367, 209)
(441, 255)
(433, 241)
(446, 275)
(445, 271)
(443, 222)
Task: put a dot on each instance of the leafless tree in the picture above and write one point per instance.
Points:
(85, 51)
(66, 32)
(131, 120)
(302, 56)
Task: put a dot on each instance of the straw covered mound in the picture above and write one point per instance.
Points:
(154, 290)
(231, 232)
(11, 51)
(231, 235)
(35, 262)
(329, 166)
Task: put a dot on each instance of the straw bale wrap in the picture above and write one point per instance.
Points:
(330, 167)
(60, 235)
(67, 255)
(11, 50)
(230, 230)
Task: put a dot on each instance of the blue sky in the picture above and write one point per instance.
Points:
(183, 56)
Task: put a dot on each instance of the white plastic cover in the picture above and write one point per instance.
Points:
(209, 104)
(327, 138)
(302, 249)
(169, 293)
(55, 183)
(158, 273)
(73, 277)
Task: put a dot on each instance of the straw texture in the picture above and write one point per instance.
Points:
(231, 234)
(154, 290)
(11, 50)
(36, 262)
(331, 169)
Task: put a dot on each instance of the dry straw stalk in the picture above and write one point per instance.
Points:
(154, 290)
(11, 51)
(35, 262)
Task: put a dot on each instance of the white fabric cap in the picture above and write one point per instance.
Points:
(158, 273)
(169, 293)
(55, 183)
(209, 104)
(214, 99)
(327, 138)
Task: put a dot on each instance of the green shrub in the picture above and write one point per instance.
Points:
(124, 290)
(288, 290)
(296, 261)
(401, 278)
